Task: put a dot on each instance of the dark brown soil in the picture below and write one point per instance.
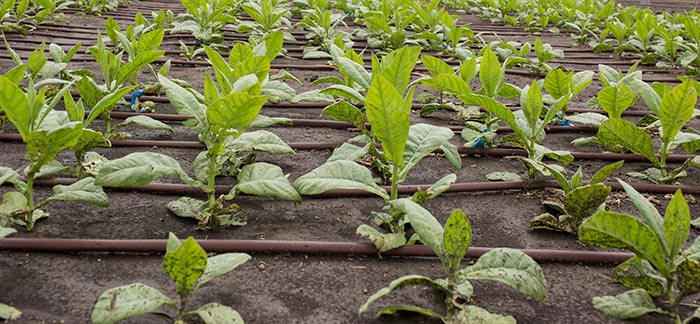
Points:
(293, 288)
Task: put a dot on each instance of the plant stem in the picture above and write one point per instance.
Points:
(395, 182)
(210, 182)
(29, 196)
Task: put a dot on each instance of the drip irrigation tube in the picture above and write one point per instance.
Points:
(460, 187)
(493, 152)
(300, 247)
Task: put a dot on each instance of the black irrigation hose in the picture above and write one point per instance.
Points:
(492, 152)
(300, 247)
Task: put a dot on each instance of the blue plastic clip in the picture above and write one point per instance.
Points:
(135, 98)
(479, 142)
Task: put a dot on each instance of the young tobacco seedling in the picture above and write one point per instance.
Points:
(187, 264)
(268, 16)
(205, 19)
(660, 268)
(580, 201)
(47, 133)
(322, 26)
(507, 266)
(403, 147)
(221, 121)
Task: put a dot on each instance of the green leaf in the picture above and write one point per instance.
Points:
(396, 66)
(84, 190)
(5, 232)
(344, 111)
(605, 172)
(106, 104)
(44, 145)
(11, 176)
(389, 116)
(393, 309)
(8, 312)
(510, 267)
(449, 83)
(233, 113)
(146, 122)
(622, 132)
(471, 314)
(427, 227)
(173, 243)
(422, 140)
(382, 241)
(689, 277)
(214, 313)
(496, 108)
(676, 223)
(16, 107)
(650, 214)
(132, 68)
(637, 273)
(435, 65)
(221, 264)
(490, 73)
(410, 280)
(354, 72)
(532, 105)
(503, 176)
(615, 100)
(630, 304)
(123, 302)
(676, 110)
(349, 152)
(457, 238)
(184, 102)
(343, 91)
(185, 265)
(260, 140)
(138, 169)
(188, 207)
(264, 179)
(612, 230)
(338, 175)
(582, 202)
(558, 83)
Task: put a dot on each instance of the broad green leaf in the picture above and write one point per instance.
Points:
(689, 277)
(547, 221)
(457, 238)
(13, 202)
(605, 172)
(490, 72)
(651, 216)
(173, 243)
(123, 302)
(16, 107)
(558, 83)
(396, 66)
(185, 265)
(434, 190)
(338, 175)
(496, 108)
(630, 304)
(510, 267)
(214, 313)
(11, 176)
(393, 309)
(532, 105)
(260, 140)
(615, 100)
(354, 72)
(676, 110)
(138, 169)
(343, 91)
(44, 145)
(676, 223)
(582, 202)
(146, 122)
(428, 228)
(262, 121)
(132, 68)
(436, 66)
(84, 190)
(382, 241)
(184, 102)
(389, 116)
(622, 132)
(188, 207)
(410, 280)
(613, 230)
(637, 273)
(449, 83)
(233, 113)
(344, 111)
(221, 264)
(471, 314)
(648, 94)
(264, 179)
(422, 140)
(5, 232)
(587, 118)
(503, 176)
(349, 152)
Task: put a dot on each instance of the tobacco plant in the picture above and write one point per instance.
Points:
(96, 7)
(46, 133)
(205, 19)
(322, 30)
(189, 267)
(507, 266)
(268, 16)
(221, 120)
(580, 200)
(660, 268)
(403, 146)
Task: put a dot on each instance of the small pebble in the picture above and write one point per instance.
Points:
(261, 267)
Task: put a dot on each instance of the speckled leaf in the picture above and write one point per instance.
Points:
(613, 230)
(338, 175)
(547, 221)
(120, 303)
(215, 313)
(344, 111)
(630, 304)
(582, 202)
(410, 280)
(636, 273)
(676, 110)
(471, 314)
(185, 265)
(428, 228)
(264, 179)
(622, 132)
(510, 267)
(422, 140)
(393, 309)
(649, 213)
(689, 277)
(382, 241)
(457, 238)
(676, 223)
(615, 100)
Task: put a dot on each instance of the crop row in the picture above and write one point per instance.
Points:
(378, 103)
